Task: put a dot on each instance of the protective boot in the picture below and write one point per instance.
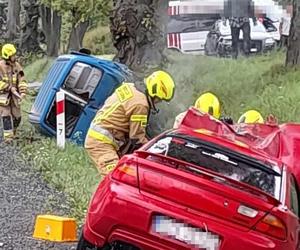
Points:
(8, 128)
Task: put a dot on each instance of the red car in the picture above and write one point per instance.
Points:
(206, 185)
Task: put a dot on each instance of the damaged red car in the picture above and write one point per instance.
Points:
(206, 185)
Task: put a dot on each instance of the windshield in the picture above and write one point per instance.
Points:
(215, 159)
(191, 23)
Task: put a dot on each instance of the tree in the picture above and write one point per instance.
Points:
(293, 52)
(51, 22)
(13, 20)
(3, 19)
(80, 14)
(138, 32)
(29, 17)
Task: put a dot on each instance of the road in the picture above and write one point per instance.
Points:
(24, 195)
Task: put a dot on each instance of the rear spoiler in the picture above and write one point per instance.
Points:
(242, 186)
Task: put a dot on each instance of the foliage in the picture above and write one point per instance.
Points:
(80, 10)
(99, 41)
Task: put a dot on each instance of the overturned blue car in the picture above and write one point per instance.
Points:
(87, 82)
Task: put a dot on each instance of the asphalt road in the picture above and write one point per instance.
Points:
(24, 195)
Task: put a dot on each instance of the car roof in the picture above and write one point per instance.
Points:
(261, 146)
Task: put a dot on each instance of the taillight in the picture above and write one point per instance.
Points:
(272, 226)
(126, 172)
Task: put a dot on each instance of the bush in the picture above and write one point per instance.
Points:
(99, 41)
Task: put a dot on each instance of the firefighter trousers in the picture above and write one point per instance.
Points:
(104, 155)
(11, 118)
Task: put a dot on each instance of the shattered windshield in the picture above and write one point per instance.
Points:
(215, 159)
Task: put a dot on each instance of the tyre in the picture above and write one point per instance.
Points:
(83, 244)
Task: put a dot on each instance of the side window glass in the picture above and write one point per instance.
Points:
(294, 197)
(83, 80)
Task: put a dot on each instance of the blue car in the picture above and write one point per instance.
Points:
(87, 82)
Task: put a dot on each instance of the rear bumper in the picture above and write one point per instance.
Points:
(120, 213)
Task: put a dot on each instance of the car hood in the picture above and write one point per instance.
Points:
(254, 36)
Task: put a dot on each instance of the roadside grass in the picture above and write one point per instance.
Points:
(258, 82)
(38, 69)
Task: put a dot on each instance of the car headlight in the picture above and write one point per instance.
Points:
(269, 41)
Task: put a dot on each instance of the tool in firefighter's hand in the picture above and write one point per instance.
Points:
(130, 147)
(16, 94)
(14, 91)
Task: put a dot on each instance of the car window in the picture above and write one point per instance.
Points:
(294, 197)
(216, 160)
(190, 23)
(83, 79)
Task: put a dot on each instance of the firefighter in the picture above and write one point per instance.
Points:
(13, 88)
(123, 119)
(251, 116)
(206, 103)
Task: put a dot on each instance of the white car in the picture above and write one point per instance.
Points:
(219, 39)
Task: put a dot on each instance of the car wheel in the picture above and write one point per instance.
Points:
(83, 244)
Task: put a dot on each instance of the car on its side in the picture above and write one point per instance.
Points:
(206, 185)
(219, 40)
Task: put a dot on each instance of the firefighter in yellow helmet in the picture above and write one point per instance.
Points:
(13, 88)
(123, 119)
(251, 116)
(207, 103)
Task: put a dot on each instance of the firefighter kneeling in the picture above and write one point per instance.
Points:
(123, 119)
(13, 88)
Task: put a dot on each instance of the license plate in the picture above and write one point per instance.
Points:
(196, 237)
(253, 50)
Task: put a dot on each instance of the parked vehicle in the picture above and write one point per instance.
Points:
(219, 41)
(272, 27)
(206, 185)
(188, 25)
(86, 81)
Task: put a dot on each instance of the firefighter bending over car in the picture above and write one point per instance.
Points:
(13, 88)
(121, 122)
(207, 103)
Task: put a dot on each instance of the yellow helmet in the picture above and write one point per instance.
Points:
(160, 84)
(8, 50)
(251, 116)
(209, 103)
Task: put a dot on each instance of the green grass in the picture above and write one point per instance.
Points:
(38, 69)
(259, 82)
(99, 41)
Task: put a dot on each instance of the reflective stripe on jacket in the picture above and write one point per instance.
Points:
(124, 114)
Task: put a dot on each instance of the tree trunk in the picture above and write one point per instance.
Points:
(138, 32)
(13, 20)
(76, 36)
(3, 20)
(29, 17)
(51, 23)
(293, 52)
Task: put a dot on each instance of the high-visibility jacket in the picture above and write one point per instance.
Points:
(123, 116)
(11, 75)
